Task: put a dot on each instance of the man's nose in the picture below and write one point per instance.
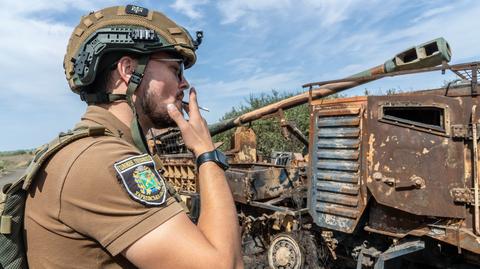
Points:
(184, 85)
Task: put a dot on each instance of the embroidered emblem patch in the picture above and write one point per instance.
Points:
(136, 10)
(141, 179)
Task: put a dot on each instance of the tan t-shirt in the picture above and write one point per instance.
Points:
(79, 213)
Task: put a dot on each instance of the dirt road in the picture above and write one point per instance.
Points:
(11, 176)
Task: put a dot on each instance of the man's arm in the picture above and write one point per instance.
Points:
(178, 243)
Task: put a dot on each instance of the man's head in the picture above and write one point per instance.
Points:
(163, 83)
(104, 36)
(146, 46)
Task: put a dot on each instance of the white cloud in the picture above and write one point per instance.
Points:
(255, 14)
(32, 55)
(233, 10)
(254, 84)
(189, 8)
(31, 52)
(27, 7)
(453, 26)
(433, 12)
(221, 95)
(330, 12)
(246, 65)
(35, 47)
(367, 44)
(34, 51)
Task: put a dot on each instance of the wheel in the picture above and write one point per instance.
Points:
(285, 252)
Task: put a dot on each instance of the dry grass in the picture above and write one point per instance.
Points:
(12, 162)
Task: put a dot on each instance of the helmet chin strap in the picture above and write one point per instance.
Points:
(135, 80)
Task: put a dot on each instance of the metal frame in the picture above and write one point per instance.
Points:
(475, 168)
(444, 131)
(397, 251)
(270, 206)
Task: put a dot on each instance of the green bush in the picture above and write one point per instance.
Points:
(16, 152)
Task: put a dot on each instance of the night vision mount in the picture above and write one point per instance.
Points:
(198, 40)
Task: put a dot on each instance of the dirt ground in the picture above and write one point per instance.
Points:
(12, 166)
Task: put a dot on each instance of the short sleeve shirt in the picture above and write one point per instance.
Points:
(78, 212)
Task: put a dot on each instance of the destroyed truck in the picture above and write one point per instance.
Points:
(386, 181)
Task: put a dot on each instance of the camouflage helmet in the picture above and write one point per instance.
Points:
(122, 29)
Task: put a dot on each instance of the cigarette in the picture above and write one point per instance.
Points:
(202, 108)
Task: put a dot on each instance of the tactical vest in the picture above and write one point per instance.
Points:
(13, 197)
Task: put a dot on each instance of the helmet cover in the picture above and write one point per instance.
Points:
(129, 29)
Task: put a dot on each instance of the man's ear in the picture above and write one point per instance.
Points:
(125, 67)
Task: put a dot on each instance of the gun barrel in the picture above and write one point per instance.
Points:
(428, 54)
(285, 104)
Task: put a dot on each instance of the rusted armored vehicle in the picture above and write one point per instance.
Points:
(387, 181)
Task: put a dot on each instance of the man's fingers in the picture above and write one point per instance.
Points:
(176, 116)
(193, 104)
(186, 108)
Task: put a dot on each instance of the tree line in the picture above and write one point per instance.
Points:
(268, 130)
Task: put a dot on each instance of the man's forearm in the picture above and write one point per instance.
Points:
(218, 217)
(218, 221)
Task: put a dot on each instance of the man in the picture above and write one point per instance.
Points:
(99, 202)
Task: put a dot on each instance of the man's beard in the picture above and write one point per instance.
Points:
(156, 112)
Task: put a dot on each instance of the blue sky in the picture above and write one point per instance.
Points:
(250, 46)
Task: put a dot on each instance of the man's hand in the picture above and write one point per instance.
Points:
(194, 131)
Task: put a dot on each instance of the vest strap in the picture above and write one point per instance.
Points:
(63, 139)
(135, 80)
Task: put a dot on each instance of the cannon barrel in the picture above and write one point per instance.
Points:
(426, 55)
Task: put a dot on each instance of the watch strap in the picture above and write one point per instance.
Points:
(213, 156)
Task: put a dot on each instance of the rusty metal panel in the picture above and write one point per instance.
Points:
(337, 165)
(335, 200)
(180, 172)
(244, 146)
(337, 176)
(333, 102)
(338, 121)
(336, 211)
(338, 132)
(337, 112)
(239, 182)
(338, 187)
(335, 154)
(340, 143)
(253, 182)
(412, 167)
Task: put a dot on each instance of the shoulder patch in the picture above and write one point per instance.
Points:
(141, 179)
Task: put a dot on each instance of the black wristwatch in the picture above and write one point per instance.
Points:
(215, 156)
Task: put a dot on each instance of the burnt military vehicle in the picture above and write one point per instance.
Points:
(388, 181)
